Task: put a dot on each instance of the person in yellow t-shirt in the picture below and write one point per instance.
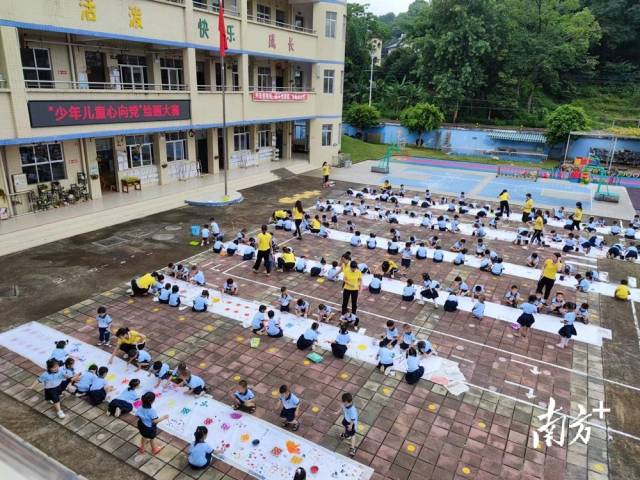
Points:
(550, 269)
(577, 216)
(622, 291)
(287, 260)
(128, 340)
(504, 203)
(326, 170)
(352, 278)
(298, 215)
(538, 227)
(315, 225)
(527, 208)
(264, 242)
(140, 286)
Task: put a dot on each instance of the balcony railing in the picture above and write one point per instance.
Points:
(218, 88)
(286, 26)
(212, 6)
(122, 86)
(259, 88)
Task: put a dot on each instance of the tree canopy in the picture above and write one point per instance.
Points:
(361, 116)
(420, 118)
(564, 120)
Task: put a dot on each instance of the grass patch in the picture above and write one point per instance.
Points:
(361, 151)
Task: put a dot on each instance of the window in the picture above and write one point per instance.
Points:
(171, 73)
(36, 67)
(139, 150)
(235, 77)
(329, 76)
(43, 162)
(330, 24)
(264, 135)
(298, 80)
(133, 72)
(344, 28)
(264, 14)
(281, 18)
(327, 129)
(241, 138)
(176, 146)
(264, 78)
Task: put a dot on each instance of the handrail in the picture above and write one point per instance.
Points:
(283, 25)
(256, 88)
(228, 9)
(76, 85)
(218, 88)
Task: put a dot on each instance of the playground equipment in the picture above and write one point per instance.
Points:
(383, 164)
(518, 172)
(586, 170)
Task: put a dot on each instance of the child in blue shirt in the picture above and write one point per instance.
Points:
(526, 318)
(350, 319)
(408, 338)
(406, 255)
(301, 264)
(302, 308)
(356, 241)
(425, 348)
(200, 453)
(340, 345)
(583, 284)
(385, 357)
(426, 221)
(201, 303)
(99, 388)
(568, 330)
(85, 380)
(582, 313)
(459, 258)
(438, 255)
(375, 285)
(349, 421)
(192, 383)
(258, 321)
(60, 353)
(123, 403)
(140, 358)
(53, 380)
(244, 398)
(284, 299)
(104, 324)
(290, 408)
(478, 308)
(163, 295)
(174, 297)
(332, 273)
(511, 297)
(230, 287)
(273, 325)
(147, 423)
(414, 369)
(421, 252)
(372, 243)
(391, 334)
(217, 246)
(497, 268)
(309, 337)
(162, 371)
(325, 313)
(409, 291)
(197, 276)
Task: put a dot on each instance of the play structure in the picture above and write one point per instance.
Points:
(383, 164)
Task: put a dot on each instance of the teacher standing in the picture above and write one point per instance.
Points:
(548, 277)
(298, 214)
(264, 241)
(504, 203)
(352, 282)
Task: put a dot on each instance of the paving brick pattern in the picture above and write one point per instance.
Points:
(407, 432)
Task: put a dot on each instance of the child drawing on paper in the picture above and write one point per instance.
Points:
(200, 452)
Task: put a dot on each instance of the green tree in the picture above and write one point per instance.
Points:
(362, 116)
(620, 23)
(457, 41)
(564, 120)
(421, 118)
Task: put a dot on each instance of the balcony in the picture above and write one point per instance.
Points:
(136, 87)
(280, 24)
(212, 6)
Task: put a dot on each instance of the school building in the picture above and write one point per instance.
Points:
(101, 96)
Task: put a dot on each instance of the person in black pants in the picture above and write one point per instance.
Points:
(548, 277)
(504, 203)
(298, 215)
(352, 277)
(264, 241)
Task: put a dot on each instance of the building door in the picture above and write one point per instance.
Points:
(106, 164)
(202, 155)
(300, 136)
(96, 69)
(220, 150)
(200, 75)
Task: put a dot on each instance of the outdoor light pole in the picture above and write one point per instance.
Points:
(371, 78)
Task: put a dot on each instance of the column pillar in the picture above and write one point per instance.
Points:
(91, 157)
(10, 44)
(212, 150)
(160, 156)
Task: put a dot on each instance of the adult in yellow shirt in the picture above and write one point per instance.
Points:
(622, 291)
(140, 286)
(527, 208)
(287, 260)
(577, 216)
(264, 242)
(326, 170)
(128, 340)
(315, 225)
(298, 214)
(504, 203)
(550, 269)
(538, 227)
(352, 278)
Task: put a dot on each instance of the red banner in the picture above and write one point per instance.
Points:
(274, 96)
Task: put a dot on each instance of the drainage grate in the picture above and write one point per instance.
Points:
(110, 241)
(7, 291)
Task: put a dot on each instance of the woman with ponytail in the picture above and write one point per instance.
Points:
(200, 452)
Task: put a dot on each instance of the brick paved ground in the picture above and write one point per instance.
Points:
(407, 432)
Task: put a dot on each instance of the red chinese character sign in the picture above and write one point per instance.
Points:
(275, 96)
(94, 112)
